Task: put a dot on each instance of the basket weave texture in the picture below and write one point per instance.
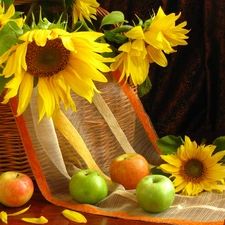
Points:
(12, 154)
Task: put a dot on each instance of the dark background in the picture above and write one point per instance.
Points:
(187, 96)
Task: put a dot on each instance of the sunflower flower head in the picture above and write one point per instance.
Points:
(133, 60)
(58, 62)
(146, 43)
(194, 168)
(85, 10)
(163, 33)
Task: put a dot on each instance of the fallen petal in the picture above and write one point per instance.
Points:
(4, 217)
(74, 216)
(19, 212)
(40, 220)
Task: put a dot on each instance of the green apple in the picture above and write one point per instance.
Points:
(16, 188)
(155, 193)
(88, 186)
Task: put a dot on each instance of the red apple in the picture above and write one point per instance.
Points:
(16, 188)
(128, 169)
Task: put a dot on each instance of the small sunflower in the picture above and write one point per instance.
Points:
(147, 45)
(194, 169)
(85, 10)
(133, 60)
(163, 34)
(6, 16)
(59, 62)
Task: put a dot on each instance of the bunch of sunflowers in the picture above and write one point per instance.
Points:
(61, 46)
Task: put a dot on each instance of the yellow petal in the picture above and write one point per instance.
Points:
(189, 189)
(19, 212)
(167, 168)
(68, 43)
(172, 159)
(40, 220)
(215, 158)
(179, 180)
(126, 47)
(180, 187)
(45, 92)
(74, 216)
(157, 56)
(4, 217)
(135, 33)
(10, 11)
(25, 92)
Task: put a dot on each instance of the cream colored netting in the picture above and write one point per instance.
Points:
(59, 160)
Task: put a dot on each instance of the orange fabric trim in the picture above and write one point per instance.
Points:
(140, 112)
(43, 186)
(30, 151)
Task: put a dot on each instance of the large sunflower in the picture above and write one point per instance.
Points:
(58, 61)
(6, 16)
(194, 169)
(85, 10)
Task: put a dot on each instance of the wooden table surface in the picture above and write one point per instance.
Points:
(41, 207)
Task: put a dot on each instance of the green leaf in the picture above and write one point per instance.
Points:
(81, 26)
(9, 36)
(144, 88)
(112, 18)
(169, 144)
(157, 170)
(122, 29)
(220, 145)
(8, 2)
(115, 37)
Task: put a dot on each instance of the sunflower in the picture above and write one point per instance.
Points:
(147, 45)
(194, 169)
(6, 16)
(85, 10)
(163, 34)
(58, 61)
(133, 60)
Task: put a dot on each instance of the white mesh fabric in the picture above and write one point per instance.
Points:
(59, 160)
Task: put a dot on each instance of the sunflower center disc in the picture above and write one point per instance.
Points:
(47, 60)
(194, 168)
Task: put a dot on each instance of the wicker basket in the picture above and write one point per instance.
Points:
(13, 156)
